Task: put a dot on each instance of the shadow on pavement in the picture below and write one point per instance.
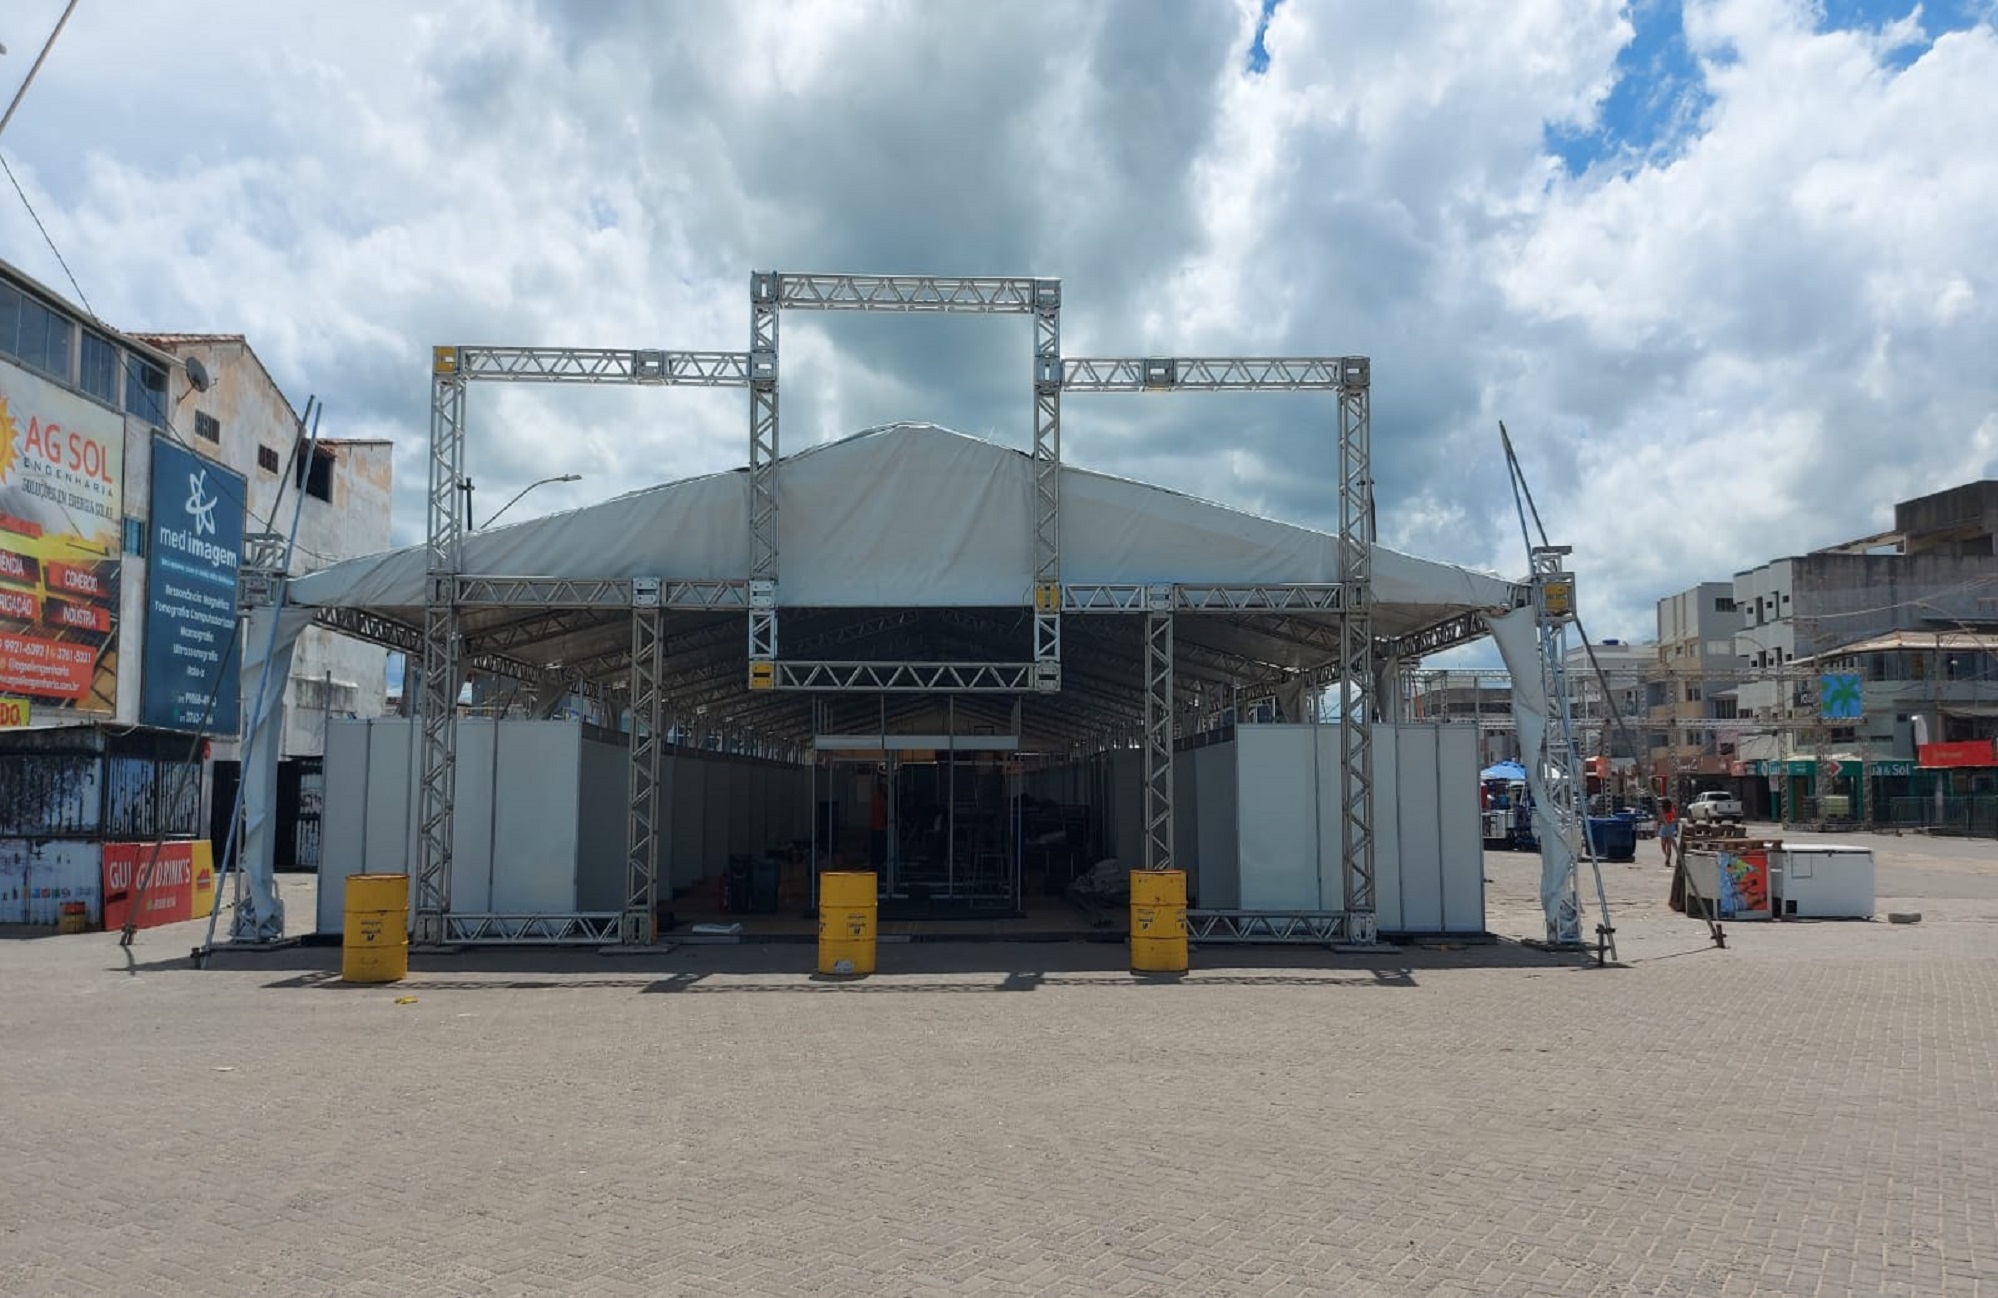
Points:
(901, 967)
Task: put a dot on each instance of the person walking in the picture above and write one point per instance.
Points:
(1668, 827)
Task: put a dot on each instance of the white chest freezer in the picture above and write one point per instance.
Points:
(1829, 882)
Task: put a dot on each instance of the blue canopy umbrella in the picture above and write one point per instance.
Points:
(1508, 771)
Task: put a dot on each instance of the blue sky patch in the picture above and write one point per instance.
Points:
(1659, 93)
(1259, 53)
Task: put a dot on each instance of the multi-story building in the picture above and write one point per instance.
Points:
(1884, 609)
(1471, 697)
(1606, 699)
(131, 469)
(341, 497)
(1690, 707)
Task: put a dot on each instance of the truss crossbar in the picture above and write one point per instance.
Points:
(404, 638)
(603, 365)
(1462, 629)
(1214, 374)
(980, 294)
(581, 928)
(939, 678)
(595, 593)
(1316, 926)
(1159, 712)
(1106, 597)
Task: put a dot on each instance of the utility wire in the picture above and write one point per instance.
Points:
(36, 216)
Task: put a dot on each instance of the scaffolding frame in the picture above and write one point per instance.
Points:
(654, 684)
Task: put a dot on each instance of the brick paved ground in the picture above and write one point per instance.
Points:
(1813, 1110)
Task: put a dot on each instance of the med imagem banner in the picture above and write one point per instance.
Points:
(62, 515)
(193, 653)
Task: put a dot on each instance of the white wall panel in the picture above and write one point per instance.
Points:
(604, 806)
(474, 810)
(1215, 828)
(1417, 812)
(343, 825)
(1278, 804)
(536, 812)
(1463, 843)
(1389, 907)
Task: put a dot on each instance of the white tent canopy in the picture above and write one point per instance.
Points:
(915, 516)
(916, 519)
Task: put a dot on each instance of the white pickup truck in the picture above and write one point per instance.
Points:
(1714, 805)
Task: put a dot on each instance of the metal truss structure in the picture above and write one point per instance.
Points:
(642, 836)
(1181, 682)
(584, 928)
(1350, 378)
(1322, 927)
(1160, 705)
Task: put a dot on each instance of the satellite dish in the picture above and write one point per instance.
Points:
(197, 374)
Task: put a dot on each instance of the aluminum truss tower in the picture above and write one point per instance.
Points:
(449, 589)
(1351, 597)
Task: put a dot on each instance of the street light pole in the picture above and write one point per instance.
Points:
(563, 477)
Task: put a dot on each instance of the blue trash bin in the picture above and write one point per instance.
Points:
(1613, 837)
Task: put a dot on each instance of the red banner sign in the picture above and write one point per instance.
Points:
(1964, 752)
(180, 887)
(76, 617)
(21, 569)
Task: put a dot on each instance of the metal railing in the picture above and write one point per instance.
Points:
(1973, 816)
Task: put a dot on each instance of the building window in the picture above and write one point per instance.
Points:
(1692, 693)
(1724, 604)
(315, 473)
(1724, 709)
(145, 390)
(207, 426)
(267, 459)
(33, 334)
(99, 376)
(135, 537)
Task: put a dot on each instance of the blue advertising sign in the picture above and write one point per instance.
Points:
(194, 556)
(1840, 695)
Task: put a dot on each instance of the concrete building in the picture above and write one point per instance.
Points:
(1887, 609)
(131, 469)
(1690, 708)
(1609, 707)
(1472, 698)
(343, 498)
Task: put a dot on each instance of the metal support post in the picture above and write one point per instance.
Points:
(1159, 712)
(438, 705)
(641, 868)
(1047, 484)
(1356, 648)
(763, 451)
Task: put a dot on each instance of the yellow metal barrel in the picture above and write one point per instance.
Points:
(374, 946)
(847, 913)
(1158, 921)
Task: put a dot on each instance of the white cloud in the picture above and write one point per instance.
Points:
(1750, 344)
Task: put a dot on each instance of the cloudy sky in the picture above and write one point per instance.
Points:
(1726, 269)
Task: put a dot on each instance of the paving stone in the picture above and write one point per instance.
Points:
(1807, 1111)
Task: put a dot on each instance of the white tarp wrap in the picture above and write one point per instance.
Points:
(1518, 636)
(915, 516)
(260, 915)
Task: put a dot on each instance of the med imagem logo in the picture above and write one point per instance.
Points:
(200, 505)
